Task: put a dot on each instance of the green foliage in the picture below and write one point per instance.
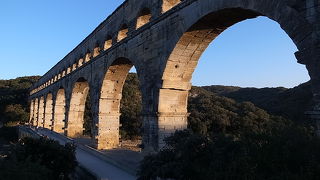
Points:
(16, 112)
(215, 114)
(88, 118)
(60, 160)
(288, 103)
(14, 98)
(11, 169)
(131, 108)
(12, 124)
(279, 152)
(230, 140)
(221, 90)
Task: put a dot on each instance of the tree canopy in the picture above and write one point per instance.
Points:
(230, 140)
(38, 159)
(14, 95)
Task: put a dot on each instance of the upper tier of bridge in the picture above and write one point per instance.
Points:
(127, 21)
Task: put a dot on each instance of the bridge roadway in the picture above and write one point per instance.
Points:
(96, 165)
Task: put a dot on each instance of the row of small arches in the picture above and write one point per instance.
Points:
(41, 111)
(143, 18)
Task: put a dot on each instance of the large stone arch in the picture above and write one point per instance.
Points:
(79, 95)
(41, 112)
(192, 35)
(48, 112)
(109, 103)
(59, 112)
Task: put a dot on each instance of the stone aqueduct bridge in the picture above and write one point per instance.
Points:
(163, 39)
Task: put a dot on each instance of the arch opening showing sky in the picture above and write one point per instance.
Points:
(252, 53)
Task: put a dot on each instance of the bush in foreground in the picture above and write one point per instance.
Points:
(45, 157)
(279, 153)
(11, 169)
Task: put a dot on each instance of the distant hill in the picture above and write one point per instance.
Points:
(289, 103)
(210, 112)
(221, 90)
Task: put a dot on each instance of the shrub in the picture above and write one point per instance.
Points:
(11, 169)
(60, 160)
(281, 152)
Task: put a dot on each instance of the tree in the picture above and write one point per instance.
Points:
(229, 140)
(280, 152)
(16, 113)
(88, 118)
(131, 108)
(12, 93)
(11, 169)
(60, 160)
(215, 114)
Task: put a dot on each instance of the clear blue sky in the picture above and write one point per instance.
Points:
(36, 34)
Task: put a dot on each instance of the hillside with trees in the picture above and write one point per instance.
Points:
(210, 113)
(212, 108)
(288, 103)
(279, 150)
(14, 99)
(229, 139)
(234, 133)
(35, 159)
(214, 104)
